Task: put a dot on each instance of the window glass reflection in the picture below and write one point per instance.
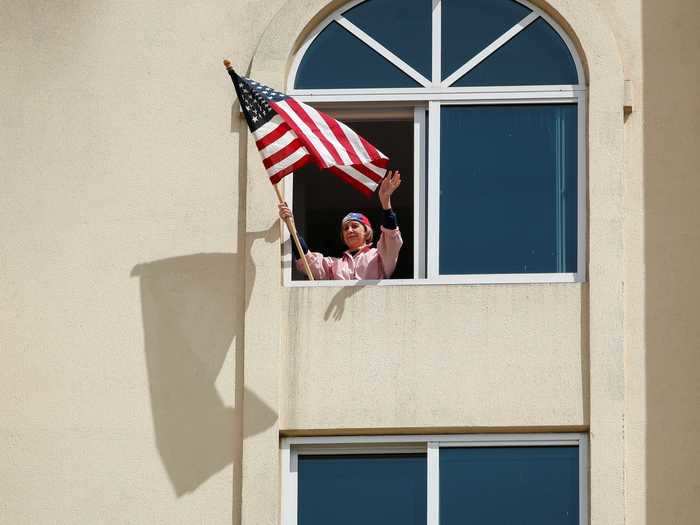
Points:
(509, 485)
(508, 189)
(368, 489)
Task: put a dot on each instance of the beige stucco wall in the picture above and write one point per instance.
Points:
(434, 356)
(121, 261)
(671, 46)
(139, 245)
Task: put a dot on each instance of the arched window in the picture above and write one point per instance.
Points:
(481, 103)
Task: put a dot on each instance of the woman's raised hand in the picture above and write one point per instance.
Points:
(391, 181)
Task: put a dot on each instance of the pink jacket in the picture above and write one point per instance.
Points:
(368, 263)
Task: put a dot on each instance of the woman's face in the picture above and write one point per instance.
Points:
(354, 234)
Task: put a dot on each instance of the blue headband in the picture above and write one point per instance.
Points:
(359, 217)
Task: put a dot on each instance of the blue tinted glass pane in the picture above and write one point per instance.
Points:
(468, 26)
(403, 27)
(366, 489)
(508, 189)
(536, 55)
(338, 59)
(505, 486)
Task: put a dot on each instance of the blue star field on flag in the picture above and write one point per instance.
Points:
(255, 101)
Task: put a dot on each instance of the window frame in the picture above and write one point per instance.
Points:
(417, 114)
(436, 93)
(292, 447)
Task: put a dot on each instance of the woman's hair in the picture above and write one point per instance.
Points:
(369, 235)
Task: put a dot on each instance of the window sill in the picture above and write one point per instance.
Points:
(512, 278)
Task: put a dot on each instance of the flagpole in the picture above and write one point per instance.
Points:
(289, 221)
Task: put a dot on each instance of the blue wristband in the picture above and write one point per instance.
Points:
(389, 220)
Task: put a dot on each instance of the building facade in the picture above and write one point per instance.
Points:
(163, 365)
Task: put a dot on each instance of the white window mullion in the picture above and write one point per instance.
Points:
(391, 57)
(421, 93)
(290, 493)
(433, 501)
(490, 49)
(582, 226)
(437, 42)
(583, 492)
(433, 189)
(488, 97)
(419, 193)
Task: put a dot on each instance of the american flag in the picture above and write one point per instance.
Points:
(290, 134)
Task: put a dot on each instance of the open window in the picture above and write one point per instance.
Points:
(482, 106)
(320, 200)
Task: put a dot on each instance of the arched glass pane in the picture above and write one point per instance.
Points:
(535, 56)
(468, 26)
(403, 27)
(337, 59)
(508, 189)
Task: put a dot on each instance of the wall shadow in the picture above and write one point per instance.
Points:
(193, 309)
(336, 308)
(671, 109)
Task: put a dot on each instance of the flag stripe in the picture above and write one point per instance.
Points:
(368, 172)
(340, 136)
(324, 158)
(286, 139)
(382, 163)
(274, 179)
(375, 169)
(313, 128)
(283, 153)
(270, 131)
(356, 143)
(287, 161)
(353, 172)
(330, 137)
(349, 180)
(371, 150)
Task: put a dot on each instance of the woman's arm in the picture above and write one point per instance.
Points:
(390, 240)
(320, 268)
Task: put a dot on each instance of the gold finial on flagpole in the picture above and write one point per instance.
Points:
(227, 64)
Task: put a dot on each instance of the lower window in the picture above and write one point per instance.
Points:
(430, 480)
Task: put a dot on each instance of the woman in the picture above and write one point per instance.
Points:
(361, 260)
